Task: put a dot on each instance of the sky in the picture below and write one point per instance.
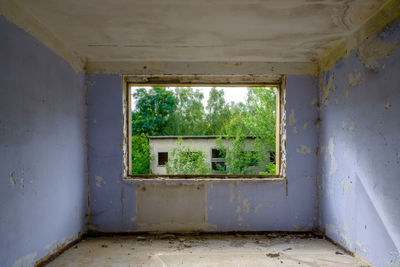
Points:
(234, 94)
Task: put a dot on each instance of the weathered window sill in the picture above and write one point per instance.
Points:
(203, 178)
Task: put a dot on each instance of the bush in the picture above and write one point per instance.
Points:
(270, 168)
(186, 160)
(238, 159)
(141, 155)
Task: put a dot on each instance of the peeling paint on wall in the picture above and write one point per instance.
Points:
(21, 183)
(225, 205)
(292, 118)
(331, 148)
(99, 181)
(257, 208)
(12, 180)
(346, 185)
(361, 182)
(36, 143)
(303, 150)
(354, 78)
(314, 101)
(349, 125)
(26, 261)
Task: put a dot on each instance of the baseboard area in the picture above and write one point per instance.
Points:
(348, 251)
(50, 257)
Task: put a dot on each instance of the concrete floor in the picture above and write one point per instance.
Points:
(206, 250)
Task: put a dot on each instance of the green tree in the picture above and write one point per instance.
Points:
(141, 155)
(152, 110)
(186, 160)
(239, 159)
(261, 122)
(260, 117)
(236, 126)
(189, 116)
(218, 113)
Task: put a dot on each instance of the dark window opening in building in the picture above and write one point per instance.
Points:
(218, 166)
(162, 158)
(217, 153)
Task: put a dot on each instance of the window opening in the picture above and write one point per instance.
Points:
(162, 158)
(197, 130)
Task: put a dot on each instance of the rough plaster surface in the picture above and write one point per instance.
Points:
(229, 205)
(161, 206)
(251, 30)
(42, 149)
(359, 166)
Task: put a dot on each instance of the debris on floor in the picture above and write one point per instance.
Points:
(269, 250)
(273, 255)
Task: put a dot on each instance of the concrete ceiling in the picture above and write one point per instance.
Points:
(201, 30)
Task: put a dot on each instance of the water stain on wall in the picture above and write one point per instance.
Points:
(326, 89)
(373, 50)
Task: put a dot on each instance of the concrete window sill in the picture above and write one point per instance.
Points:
(203, 178)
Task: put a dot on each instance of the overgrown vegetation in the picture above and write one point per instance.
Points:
(187, 160)
(141, 155)
(159, 111)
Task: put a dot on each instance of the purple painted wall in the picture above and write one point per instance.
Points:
(42, 149)
(359, 167)
(117, 205)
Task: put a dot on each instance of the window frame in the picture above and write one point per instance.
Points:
(278, 81)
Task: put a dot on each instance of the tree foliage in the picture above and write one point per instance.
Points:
(152, 110)
(261, 114)
(218, 113)
(141, 155)
(189, 116)
(239, 157)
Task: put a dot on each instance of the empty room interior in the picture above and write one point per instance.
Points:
(200, 133)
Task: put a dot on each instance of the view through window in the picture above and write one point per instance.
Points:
(203, 130)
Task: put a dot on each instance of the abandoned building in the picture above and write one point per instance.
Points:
(67, 194)
(161, 147)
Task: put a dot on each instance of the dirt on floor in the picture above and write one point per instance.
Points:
(206, 250)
